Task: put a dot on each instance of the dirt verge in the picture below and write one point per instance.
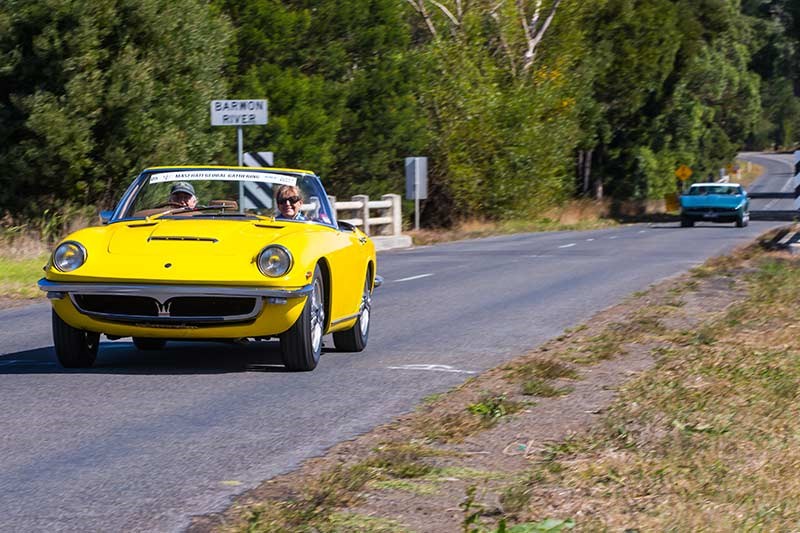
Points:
(462, 461)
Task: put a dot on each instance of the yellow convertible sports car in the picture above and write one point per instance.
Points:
(214, 253)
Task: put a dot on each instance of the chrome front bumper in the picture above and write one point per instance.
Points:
(164, 299)
(57, 290)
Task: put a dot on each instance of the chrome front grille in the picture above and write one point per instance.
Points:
(186, 310)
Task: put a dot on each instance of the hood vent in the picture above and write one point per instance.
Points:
(181, 238)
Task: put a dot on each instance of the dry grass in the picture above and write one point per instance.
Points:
(25, 247)
(707, 441)
(749, 172)
(575, 215)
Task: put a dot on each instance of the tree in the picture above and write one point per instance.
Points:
(94, 91)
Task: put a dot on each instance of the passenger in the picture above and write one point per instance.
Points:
(289, 200)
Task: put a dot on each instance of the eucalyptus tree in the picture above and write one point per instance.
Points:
(93, 91)
(339, 78)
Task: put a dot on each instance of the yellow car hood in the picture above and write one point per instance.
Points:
(192, 237)
(181, 251)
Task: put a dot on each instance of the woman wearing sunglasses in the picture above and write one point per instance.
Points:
(289, 202)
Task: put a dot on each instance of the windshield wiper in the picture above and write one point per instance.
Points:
(187, 209)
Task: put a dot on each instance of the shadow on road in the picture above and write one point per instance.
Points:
(697, 225)
(121, 357)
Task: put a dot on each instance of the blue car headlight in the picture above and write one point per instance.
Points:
(68, 256)
(274, 261)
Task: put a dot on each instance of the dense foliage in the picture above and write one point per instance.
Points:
(519, 104)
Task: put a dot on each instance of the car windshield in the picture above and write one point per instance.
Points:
(230, 193)
(712, 189)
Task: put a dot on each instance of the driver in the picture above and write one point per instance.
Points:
(182, 193)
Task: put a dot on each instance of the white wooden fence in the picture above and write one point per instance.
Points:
(374, 217)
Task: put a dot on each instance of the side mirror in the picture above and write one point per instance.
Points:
(105, 216)
(346, 226)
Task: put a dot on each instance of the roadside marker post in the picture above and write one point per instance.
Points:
(255, 195)
(796, 179)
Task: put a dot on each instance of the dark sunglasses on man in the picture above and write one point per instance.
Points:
(289, 200)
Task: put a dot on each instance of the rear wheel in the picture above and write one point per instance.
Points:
(355, 338)
(75, 348)
(144, 343)
(687, 222)
(301, 345)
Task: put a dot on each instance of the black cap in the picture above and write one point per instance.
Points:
(182, 186)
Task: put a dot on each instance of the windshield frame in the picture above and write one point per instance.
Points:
(129, 196)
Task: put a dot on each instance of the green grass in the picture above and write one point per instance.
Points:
(18, 277)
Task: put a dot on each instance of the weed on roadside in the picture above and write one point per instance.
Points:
(483, 414)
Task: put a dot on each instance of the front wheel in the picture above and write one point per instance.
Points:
(355, 338)
(75, 348)
(687, 222)
(743, 220)
(301, 345)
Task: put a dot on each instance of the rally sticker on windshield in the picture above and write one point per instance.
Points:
(223, 175)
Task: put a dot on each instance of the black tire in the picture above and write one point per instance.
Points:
(355, 339)
(687, 222)
(75, 348)
(743, 220)
(144, 343)
(301, 345)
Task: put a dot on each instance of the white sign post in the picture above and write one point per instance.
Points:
(238, 113)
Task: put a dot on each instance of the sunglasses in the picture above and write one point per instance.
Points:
(289, 200)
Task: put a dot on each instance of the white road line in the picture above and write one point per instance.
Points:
(589, 240)
(433, 368)
(613, 237)
(643, 231)
(413, 278)
(567, 245)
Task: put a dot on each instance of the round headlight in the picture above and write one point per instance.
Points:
(69, 256)
(274, 261)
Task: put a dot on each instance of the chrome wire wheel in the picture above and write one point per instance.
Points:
(301, 344)
(366, 305)
(317, 317)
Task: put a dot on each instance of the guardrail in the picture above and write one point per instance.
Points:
(387, 218)
(765, 195)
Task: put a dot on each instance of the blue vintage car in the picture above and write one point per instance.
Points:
(715, 202)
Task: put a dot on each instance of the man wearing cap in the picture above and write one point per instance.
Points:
(182, 193)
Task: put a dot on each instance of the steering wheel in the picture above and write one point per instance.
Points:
(170, 204)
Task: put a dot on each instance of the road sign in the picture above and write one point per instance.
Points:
(416, 183)
(683, 172)
(238, 112)
(416, 178)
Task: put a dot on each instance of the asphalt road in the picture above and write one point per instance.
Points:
(779, 170)
(143, 441)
